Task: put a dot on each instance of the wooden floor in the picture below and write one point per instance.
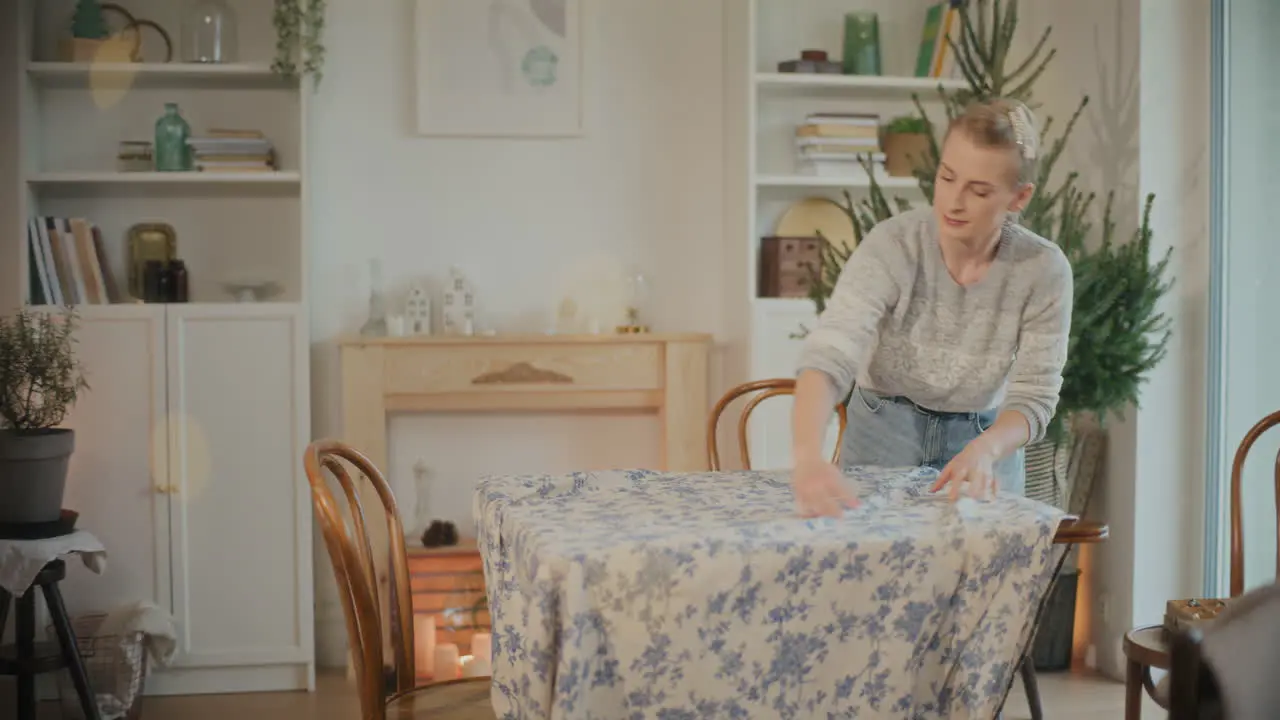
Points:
(1066, 697)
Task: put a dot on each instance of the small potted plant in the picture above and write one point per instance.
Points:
(40, 378)
(905, 141)
(91, 39)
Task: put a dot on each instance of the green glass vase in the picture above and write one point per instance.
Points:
(861, 44)
(172, 152)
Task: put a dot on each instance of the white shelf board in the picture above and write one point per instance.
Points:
(788, 305)
(824, 181)
(817, 83)
(161, 75)
(284, 177)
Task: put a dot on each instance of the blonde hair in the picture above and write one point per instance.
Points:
(1003, 124)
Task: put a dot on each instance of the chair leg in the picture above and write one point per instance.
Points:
(24, 628)
(71, 652)
(1032, 688)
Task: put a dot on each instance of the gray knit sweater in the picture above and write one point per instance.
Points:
(897, 323)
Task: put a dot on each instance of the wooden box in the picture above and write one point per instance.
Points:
(1193, 612)
(448, 582)
(787, 265)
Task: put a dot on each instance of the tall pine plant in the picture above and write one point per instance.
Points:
(1118, 333)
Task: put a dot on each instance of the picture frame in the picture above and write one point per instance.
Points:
(499, 68)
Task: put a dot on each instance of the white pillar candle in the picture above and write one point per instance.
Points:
(424, 640)
(482, 646)
(446, 662)
(397, 326)
(478, 667)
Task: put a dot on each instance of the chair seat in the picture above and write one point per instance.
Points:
(466, 699)
(1147, 646)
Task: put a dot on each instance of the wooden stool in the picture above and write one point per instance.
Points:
(27, 657)
(1144, 648)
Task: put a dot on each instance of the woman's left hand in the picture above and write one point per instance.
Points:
(975, 464)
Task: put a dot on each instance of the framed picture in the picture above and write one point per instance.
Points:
(499, 68)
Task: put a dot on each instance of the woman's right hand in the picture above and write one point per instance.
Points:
(820, 489)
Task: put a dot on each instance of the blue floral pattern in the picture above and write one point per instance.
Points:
(683, 596)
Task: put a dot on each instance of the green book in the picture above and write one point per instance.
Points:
(929, 43)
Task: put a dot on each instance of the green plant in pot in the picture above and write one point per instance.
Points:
(905, 141)
(40, 379)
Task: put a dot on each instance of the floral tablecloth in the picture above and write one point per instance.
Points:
(634, 594)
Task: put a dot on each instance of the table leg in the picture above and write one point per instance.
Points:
(1028, 670)
(71, 652)
(1133, 691)
(25, 642)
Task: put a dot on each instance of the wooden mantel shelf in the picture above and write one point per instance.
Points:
(661, 373)
(546, 339)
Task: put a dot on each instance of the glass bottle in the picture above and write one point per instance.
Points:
(376, 325)
(637, 303)
(172, 152)
(209, 32)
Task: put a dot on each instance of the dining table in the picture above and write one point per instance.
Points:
(678, 595)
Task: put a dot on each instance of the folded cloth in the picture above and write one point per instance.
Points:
(159, 633)
(22, 560)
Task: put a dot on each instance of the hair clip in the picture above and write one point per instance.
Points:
(1022, 131)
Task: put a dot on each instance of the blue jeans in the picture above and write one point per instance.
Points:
(895, 432)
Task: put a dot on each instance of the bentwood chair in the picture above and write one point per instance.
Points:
(766, 389)
(1071, 530)
(1148, 647)
(352, 557)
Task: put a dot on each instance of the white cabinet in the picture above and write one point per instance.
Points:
(188, 467)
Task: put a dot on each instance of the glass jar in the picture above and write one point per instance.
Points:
(209, 32)
(638, 295)
(172, 154)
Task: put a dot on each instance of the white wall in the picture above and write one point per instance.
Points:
(1156, 550)
(11, 235)
(645, 185)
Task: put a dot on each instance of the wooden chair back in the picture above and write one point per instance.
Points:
(351, 554)
(1237, 505)
(766, 389)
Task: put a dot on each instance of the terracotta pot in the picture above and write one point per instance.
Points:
(903, 152)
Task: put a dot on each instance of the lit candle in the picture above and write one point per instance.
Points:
(424, 640)
(482, 646)
(446, 662)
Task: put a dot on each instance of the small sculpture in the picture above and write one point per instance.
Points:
(459, 305)
(417, 310)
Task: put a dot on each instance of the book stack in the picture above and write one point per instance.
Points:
(833, 144)
(68, 263)
(233, 151)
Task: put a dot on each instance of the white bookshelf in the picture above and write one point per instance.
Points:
(767, 182)
(188, 441)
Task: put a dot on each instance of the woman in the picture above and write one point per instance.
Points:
(950, 324)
